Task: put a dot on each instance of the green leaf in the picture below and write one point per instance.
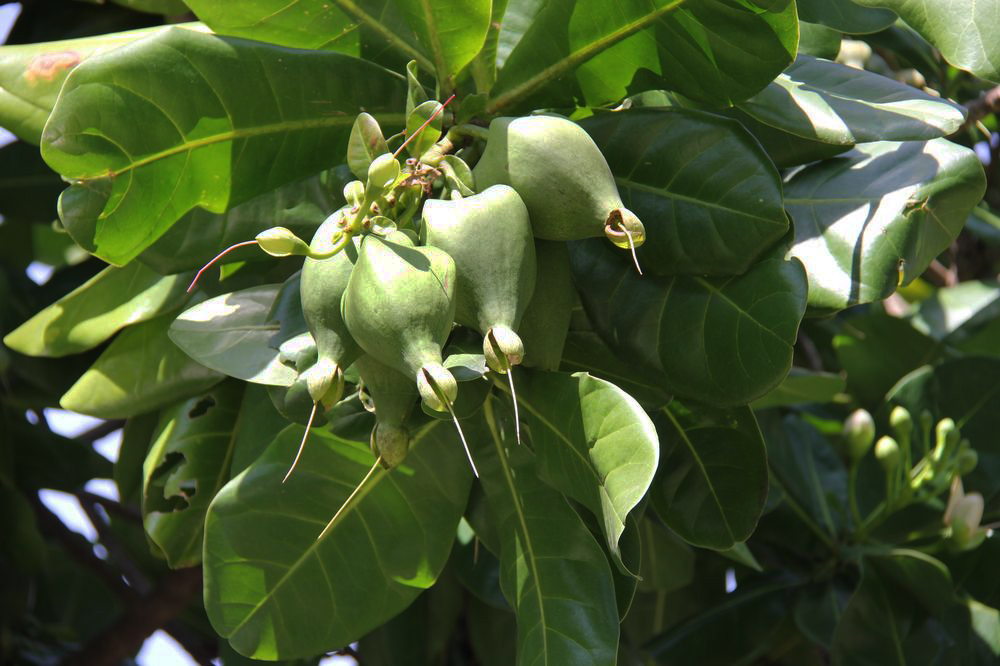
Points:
(708, 195)
(430, 134)
(957, 29)
(667, 561)
(845, 15)
(802, 386)
(366, 143)
(785, 149)
(965, 390)
(876, 350)
(712, 51)
(137, 437)
(552, 570)
(722, 340)
(818, 610)
(898, 614)
(593, 442)
(97, 309)
(452, 31)
(234, 334)
(875, 217)
(267, 576)
(186, 466)
(738, 629)
(28, 187)
(826, 101)
(808, 471)
(713, 481)
(304, 24)
(953, 314)
(140, 156)
(199, 235)
(818, 40)
(32, 74)
(141, 370)
(586, 351)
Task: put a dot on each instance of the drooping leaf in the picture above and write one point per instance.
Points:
(198, 236)
(713, 51)
(186, 466)
(552, 570)
(140, 156)
(234, 334)
(826, 101)
(141, 370)
(724, 340)
(958, 29)
(966, 390)
(709, 197)
(451, 31)
(304, 24)
(593, 442)
(713, 480)
(97, 309)
(276, 591)
(32, 74)
(875, 217)
(845, 15)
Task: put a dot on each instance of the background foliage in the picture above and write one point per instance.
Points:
(817, 179)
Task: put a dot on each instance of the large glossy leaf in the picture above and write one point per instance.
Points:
(709, 197)
(199, 235)
(802, 386)
(826, 101)
(140, 155)
(186, 466)
(586, 351)
(961, 30)
(304, 24)
(32, 74)
(141, 370)
(97, 309)
(955, 314)
(713, 480)
(714, 51)
(276, 591)
(845, 15)
(552, 570)
(724, 340)
(901, 614)
(875, 218)
(966, 390)
(807, 470)
(451, 31)
(235, 335)
(593, 442)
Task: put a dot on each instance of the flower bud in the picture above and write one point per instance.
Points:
(354, 193)
(382, 174)
(946, 437)
(280, 242)
(901, 423)
(967, 461)
(887, 453)
(859, 433)
(965, 519)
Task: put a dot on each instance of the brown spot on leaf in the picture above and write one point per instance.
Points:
(47, 66)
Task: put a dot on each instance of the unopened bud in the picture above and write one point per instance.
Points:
(965, 521)
(382, 174)
(901, 422)
(280, 242)
(946, 437)
(967, 461)
(354, 193)
(887, 453)
(859, 433)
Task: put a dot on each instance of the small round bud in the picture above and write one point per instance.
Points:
(280, 242)
(967, 461)
(382, 174)
(901, 422)
(859, 433)
(887, 453)
(946, 436)
(354, 193)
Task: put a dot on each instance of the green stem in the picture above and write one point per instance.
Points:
(468, 130)
(852, 495)
(576, 58)
(345, 238)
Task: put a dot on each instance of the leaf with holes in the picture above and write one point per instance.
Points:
(874, 218)
(276, 592)
(186, 466)
(139, 155)
(592, 441)
(713, 480)
(708, 195)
